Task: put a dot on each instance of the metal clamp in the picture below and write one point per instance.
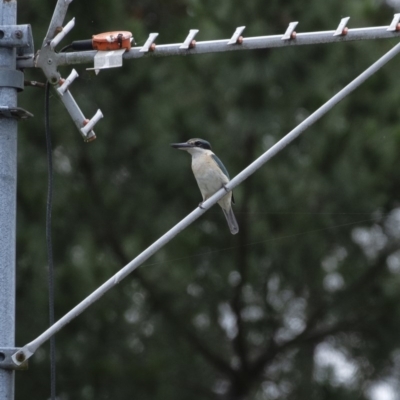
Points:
(12, 78)
(6, 361)
(107, 59)
(290, 32)
(189, 42)
(149, 45)
(342, 28)
(235, 39)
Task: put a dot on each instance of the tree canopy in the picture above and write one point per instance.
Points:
(303, 303)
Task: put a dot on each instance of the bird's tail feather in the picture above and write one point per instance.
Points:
(232, 223)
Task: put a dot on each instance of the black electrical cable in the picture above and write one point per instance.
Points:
(78, 45)
(49, 242)
(65, 48)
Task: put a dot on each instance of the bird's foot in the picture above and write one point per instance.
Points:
(201, 205)
(226, 189)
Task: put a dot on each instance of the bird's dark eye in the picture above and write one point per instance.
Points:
(198, 143)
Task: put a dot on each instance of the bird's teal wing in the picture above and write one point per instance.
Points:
(223, 169)
(219, 162)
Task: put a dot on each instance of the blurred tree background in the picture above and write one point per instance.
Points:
(303, 303)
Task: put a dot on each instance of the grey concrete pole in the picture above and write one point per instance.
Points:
(8, 185)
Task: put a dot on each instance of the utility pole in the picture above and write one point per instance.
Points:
(10, 81)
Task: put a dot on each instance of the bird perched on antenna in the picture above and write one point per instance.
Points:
(211, 175)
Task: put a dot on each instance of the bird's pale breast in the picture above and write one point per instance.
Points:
(209, 176)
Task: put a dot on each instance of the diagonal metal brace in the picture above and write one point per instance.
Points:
(6, 361)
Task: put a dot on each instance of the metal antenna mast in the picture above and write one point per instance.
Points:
(11, 80)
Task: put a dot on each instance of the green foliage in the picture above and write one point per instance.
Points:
(211, 316)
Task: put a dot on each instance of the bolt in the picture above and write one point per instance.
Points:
(192, 44)
(152, 47)
(18, 34)
(20, 357)
(239, 40)
(398, 27)
(345, 31)
(293, 35)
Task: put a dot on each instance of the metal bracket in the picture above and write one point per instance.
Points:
(290, 33)
(48, 60)
(16, 36)
(6, 361)
(189, 41)
(107, 59)
(14, 112)
(342, 28)
(148, 46)
(19, 37)
(235, 39)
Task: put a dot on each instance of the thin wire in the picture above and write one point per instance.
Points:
(49, 242)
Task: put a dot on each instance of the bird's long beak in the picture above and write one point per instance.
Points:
(181, 146)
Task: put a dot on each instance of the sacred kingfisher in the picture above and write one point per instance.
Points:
(211, 175)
